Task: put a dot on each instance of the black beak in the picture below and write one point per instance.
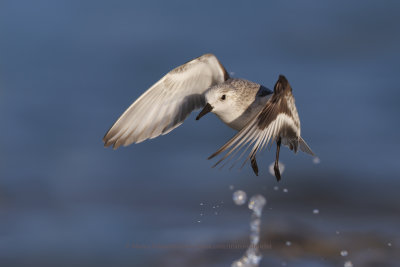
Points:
(205, 110)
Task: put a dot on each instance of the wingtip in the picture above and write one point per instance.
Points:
(281, 84)
(212, 156)
(106, 142)
(282, 79)
(305, 148)
(107, 138)
(208, 55)
(116, 145)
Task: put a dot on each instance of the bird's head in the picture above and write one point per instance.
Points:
(220, 101)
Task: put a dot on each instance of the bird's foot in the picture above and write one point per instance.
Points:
(254, 165)
(277, 172)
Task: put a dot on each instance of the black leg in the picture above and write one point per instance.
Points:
(254, 165)
(276, 166)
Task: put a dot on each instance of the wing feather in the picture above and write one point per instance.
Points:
(274, 119)
(167, 103)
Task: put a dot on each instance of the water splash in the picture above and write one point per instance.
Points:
(344, 253)
(316, 160)
(252, 257)
(348, 264)
(239, 197)
(256, 203)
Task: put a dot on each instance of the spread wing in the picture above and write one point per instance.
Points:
(278, 118)
(167, 103)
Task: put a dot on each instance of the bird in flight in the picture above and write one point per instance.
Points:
(260, 116)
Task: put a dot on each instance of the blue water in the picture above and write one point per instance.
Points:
(68, 69)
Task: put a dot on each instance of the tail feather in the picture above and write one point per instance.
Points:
(304, 147)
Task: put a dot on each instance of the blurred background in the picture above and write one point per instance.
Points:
(68, 69)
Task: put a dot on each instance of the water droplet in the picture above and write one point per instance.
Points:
(254, 257)
(337, 232)
(276, 188)
(201, 204)
(316, 160)
(199, 221)
(315, 211)
(251, 258)
(213, 207)
(256, 203)
(237, 264)
(281, 168)
(288, 243)
(201, 214)
(239, 197)
(344, 253)
(389, 244)
(231, 187)
(216, 213)
(285, 190)
(348, 264)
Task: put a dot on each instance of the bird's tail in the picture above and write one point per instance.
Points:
(304, 147)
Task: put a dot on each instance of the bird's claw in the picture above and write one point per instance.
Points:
(277, 172)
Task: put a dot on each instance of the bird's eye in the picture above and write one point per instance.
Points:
(223, 97)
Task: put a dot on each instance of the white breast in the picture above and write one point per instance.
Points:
(239, 117)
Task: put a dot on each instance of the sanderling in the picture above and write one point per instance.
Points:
(257, 113)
